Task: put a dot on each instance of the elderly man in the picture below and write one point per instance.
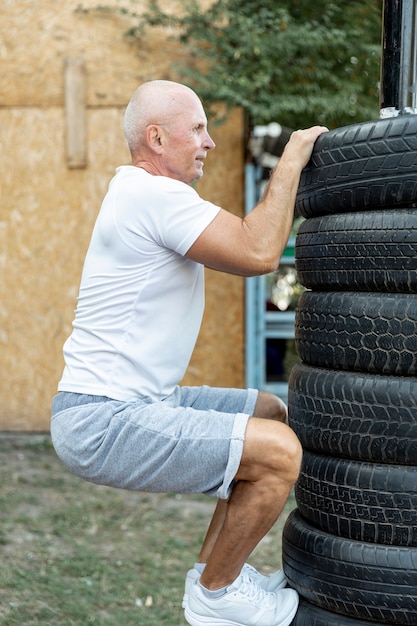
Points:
(120, 417)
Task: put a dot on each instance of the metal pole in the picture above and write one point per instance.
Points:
(391, 55)
(398, 62)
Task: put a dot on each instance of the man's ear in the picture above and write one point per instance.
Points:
(154, 137)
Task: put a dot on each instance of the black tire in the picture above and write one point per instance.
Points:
(358, 331)
(372, 165)
(367, 502)
(353, 578)
(364, 417)
(372, 251)
(310, 615)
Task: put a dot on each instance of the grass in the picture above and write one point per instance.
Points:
(77, 554)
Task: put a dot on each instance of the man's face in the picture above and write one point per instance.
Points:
(186, 142)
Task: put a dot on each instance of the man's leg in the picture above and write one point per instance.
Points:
(269, 467)
(268, 406)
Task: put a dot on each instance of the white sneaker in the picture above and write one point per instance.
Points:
(245, 603)
(272, 582)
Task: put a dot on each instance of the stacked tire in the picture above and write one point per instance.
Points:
(350, 547)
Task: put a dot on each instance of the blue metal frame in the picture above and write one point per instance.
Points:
(260, 324)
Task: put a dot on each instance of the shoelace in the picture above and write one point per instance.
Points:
(252, 572)
(254, 592)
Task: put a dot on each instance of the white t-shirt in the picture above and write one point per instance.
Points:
(141, 301)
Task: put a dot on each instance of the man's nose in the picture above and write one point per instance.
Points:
(209, 143)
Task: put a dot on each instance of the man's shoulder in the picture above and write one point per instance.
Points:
(133, 173)
(136, 185)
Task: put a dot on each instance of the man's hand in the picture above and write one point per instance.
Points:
(300, 145)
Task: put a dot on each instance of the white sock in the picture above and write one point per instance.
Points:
(213, 593)
(199, 567)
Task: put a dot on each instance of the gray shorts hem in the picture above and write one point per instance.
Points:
(251, 400)
(235, 455)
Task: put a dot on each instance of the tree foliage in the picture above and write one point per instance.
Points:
(293, 61)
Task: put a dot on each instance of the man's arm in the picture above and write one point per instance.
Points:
(253, 245)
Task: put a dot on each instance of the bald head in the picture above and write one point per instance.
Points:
(166, 130)
(154, 102)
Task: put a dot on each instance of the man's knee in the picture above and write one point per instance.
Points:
(287, 454)
(270, 406)
(271, 448)
(294, 454)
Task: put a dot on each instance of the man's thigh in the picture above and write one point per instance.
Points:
(221, 399)
(154, 446)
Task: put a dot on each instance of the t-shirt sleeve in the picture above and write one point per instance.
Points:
(168, 212)
(184, 218)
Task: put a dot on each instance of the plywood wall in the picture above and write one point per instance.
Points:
(48, 203)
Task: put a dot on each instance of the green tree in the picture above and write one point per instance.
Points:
(293, 61)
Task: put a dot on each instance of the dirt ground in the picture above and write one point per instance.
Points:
(74, 553)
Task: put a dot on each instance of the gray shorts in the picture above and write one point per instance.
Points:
(190, 442)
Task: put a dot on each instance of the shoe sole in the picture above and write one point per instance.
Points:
(200, 620)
